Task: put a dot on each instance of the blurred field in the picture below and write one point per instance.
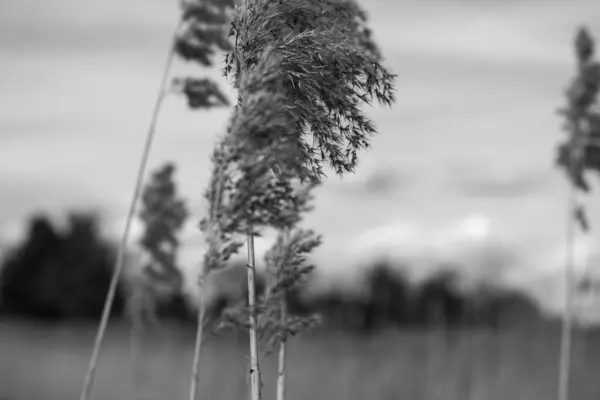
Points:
(49, 363)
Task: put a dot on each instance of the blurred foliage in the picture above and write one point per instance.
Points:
(58, 273)
(580, 151)
(203, 34)
(64, 274)
(156, 289)
(163, 214)
(394, 301)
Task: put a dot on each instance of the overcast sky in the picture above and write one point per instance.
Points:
(472, 133)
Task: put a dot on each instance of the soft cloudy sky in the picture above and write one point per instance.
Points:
(472, 133)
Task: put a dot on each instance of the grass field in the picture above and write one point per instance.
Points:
(49, 363)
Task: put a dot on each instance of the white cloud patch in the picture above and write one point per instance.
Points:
(470, 245)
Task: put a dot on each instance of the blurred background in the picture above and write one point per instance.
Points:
(458, 207)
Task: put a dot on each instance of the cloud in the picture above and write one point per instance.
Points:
(385, 181)
(486, 31)
(67, 25)
(23, 195)
(479, 181)
(489, 32)
(470, 245)
(375, 181)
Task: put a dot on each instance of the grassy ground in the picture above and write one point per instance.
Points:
(49, 364)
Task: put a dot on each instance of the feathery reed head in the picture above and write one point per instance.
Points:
(312, 63)
(580, 152)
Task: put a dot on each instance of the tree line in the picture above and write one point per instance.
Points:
(438, 301)
(58, 273)
(62, 274)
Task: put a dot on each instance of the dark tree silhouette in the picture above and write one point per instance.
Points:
(58, 275)
(85, 267)
(394, 301)
(390, 300)
(438, 300)
(24, 288)
(511, 308)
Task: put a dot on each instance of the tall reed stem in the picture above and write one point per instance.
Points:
(254, 365)
(281, 363)
(564, 372)
(195, 383)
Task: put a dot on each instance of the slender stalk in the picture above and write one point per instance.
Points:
(565, 343)
(195, 381)
(255, 392)
(281, 363)
(575, 154)
(120, 260)
(213, 234)
(254, 365)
